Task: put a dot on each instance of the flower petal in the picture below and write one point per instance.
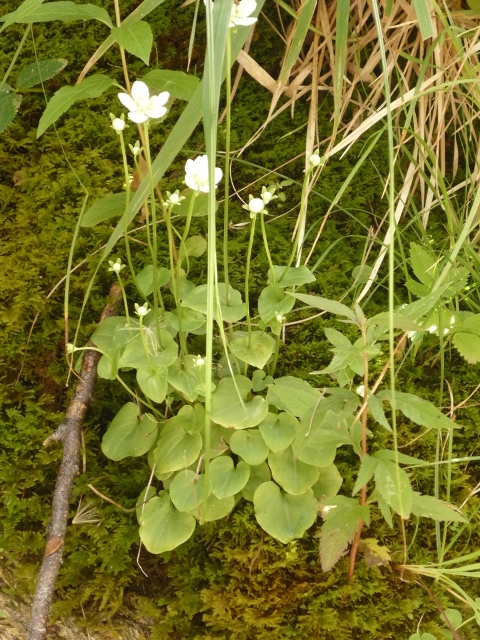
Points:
(127, 101)
(140, 92)
(137, 116)
(161, 99)
(158, 112)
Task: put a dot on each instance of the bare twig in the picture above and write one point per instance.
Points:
(69, 433)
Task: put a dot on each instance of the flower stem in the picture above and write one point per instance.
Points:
(247, 278)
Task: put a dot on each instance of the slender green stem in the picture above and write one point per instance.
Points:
(125, 214)
(183, 252)
(226, 171)
(144, 341)
(125, 304)
(15, 55)
(247, 277)
(273, 366)
(265, 243)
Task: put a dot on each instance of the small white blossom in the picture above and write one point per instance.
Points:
(116, 266)
(254, 206)
(118, 124)
(279, 318)
(432, 328)
(142, 310)
(141, 105)
(314, 159)
(174, 198)
(196, 174)
(268, 194)
(136, 149)
(199, 362)
(360, 390)
(241, 12)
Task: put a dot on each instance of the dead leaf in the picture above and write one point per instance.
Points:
(53, 545)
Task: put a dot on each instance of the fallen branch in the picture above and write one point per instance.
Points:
(69, 433)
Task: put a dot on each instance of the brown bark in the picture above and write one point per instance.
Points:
(69, 433)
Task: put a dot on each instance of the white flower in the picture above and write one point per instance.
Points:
(196, 174)
(279, 318)
(136, 149)
(268, 194)
(255, 205)
(116, 266)
(174, 198)
(118, 124)
(241, 12)
(141, 105)
(360, 390)
(314, 159)
(432, 329)
(199, 362)
(142, 310)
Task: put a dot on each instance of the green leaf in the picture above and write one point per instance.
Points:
(294, 476)
(328, 483)
(316, 443)
(129, 436)
(336, 338)
(341, 516)
(110, 332)
(376, 409)
(331, 306)
(283, 516)
(162, 527)
(176, 449)
(418, 410)
(147, 494)
(145, 279)
(186, 378)
(107, 367)
(274, 301)
(64, 11)
(455, 617)
(256, 349)
(430, 507)
(290, 276)
(178, 84)
(231, 407)
(38, 72)
(187, 490)
(9, 105)
(400, 321)
(258, 475)
(394, 486)
(104, 209)
(467, 345)
(424, 263)
(20, 14)
(365, 473)
(279, 430)
(250, 446)
(232, 310)
(225, 479)
(214, 509)
(425, 22)
(293, 395)
(134, 354)
(136, 38)
(191, 320)
(91, 87)
(152, 380)
(195, 246)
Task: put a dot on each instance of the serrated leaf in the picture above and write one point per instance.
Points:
(430, 507)
(129, 436)
(341, 516)
(400, 321)
(331, 306)
(104, 209)
(162, 527)
(9, 105)
(283, 516)
(64, 11)
(424, 264)
(136, 38)
(255, 349)
(394, 486)
(336, 338)
(178, 84)
(290, 276)
(365, 473)
(294, 476)
(19, 15)
(62, 100)
(376, 409)
(38, 72)
(467, 345)
(231, 407)
(418, 410)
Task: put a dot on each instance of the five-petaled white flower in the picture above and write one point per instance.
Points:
(141, 105)
(254, 206)
(116, 266)
(173, 198)
(241, 12)
(196, 174)
(142, 310)
(118, 124)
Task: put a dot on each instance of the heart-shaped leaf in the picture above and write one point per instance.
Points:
(152, 380)
(225, 479)
(231, 406)
(129, 436)
(250, 446)
(187, 490)
(176, 449)
(290, 473)
(162, 527)
(255, 349)
(279, 430)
